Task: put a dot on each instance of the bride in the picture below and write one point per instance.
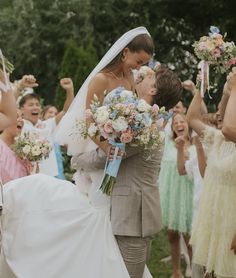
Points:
(49, 228)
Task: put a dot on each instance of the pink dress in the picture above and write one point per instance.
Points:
(11, 167)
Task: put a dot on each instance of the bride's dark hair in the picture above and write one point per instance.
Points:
(141, 42)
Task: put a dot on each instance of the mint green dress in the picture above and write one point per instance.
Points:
(176, 192)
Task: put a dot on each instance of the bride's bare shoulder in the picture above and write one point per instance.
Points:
(100, 79)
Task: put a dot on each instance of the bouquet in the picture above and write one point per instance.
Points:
(215, 51)
(29, 146)
(122, 119)
(5, 64)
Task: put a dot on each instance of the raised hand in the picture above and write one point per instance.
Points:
(27, 81)
(189, 86)
(67, 84)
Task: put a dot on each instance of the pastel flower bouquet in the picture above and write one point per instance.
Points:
(5, 64)
(29, 146)
(123, 119)
(214, 50)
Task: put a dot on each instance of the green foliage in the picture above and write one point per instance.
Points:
(35, 34)
(77, 63)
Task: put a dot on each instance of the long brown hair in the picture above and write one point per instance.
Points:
(141, 42)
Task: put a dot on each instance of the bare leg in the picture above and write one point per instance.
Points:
(190, 252)
(174, 240)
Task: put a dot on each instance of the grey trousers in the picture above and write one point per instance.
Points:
(135, 252)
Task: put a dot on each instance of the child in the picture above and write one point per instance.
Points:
(31, 109)
(176, 191)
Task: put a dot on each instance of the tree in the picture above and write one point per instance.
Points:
(35, 35)
(77, 63)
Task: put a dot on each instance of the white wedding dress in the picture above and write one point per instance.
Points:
(51, 230)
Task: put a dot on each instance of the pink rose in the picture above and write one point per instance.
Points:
(126, 137)
(133, 114)
(232, 61)
(155, 108)
(202, 46)
(216, 52)
(108, 127)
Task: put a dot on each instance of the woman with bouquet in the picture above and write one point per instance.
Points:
(11, 166)
(69, 223)
(84, 228)
(213, 235)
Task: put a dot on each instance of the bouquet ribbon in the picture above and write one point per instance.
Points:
(114, 165)
(204, 68)
(111, 169)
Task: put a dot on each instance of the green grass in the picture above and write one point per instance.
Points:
(160, 250)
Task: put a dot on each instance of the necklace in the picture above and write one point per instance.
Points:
(117, 77)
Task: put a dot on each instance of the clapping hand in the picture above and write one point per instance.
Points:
(67, 84)
(179, 142)
(27, 81)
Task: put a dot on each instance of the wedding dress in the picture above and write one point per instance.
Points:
(52, 230)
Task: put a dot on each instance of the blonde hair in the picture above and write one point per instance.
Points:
(189, 129)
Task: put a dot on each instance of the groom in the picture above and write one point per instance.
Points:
(135, 202)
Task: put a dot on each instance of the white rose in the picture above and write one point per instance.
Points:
(143, 106)
(26, 149)
(36, 151)
(102, 115)
(120, 124)
(92, 130)
(126, 94)
(145, 137)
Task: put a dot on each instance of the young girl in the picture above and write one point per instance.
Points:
(176, 191)
(194, 168)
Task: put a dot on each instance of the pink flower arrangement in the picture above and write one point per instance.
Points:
(215, 51)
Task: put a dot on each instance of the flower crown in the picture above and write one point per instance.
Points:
(140, 74)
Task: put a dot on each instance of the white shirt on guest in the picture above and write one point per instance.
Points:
(46, 130)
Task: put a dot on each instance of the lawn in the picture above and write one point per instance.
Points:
(160, 250)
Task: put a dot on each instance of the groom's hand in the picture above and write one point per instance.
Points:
(112, 151)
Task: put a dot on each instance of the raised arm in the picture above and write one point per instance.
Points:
(179, 143)
(27, 81)
(200, 155)
(194, 114)
(7, 107)
(229, 123)
(190, 86)
(67, 85)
